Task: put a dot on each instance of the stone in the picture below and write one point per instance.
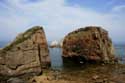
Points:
(41, 79)
(15, 80)
(28, 53)
(95, 77)
(91, 43)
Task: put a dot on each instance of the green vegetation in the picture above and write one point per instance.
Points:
(23, 37)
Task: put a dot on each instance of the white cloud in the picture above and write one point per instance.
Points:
(57, 18)
(119, 8)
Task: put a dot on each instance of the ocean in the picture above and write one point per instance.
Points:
(120, 52)
(56, 59)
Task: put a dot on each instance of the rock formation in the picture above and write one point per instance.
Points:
(90, 43)
(27, 54)
(54, 44)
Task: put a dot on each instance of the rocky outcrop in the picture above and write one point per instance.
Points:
(28, 53)
(90, 43)
(54, 44)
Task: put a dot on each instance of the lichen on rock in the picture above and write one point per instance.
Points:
(92, 43)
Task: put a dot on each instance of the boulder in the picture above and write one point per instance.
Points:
(27, 54)
(91, 43)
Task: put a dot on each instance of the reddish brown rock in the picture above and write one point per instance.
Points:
(91, 43)
(28, 53)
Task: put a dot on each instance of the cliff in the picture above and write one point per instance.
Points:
(90, 43)
(28, 53)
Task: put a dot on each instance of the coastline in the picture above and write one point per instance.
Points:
(92, 73)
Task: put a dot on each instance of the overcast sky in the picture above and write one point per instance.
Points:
(59, 17)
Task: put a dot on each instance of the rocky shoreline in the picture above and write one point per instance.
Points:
(88, 57)
(89, 73)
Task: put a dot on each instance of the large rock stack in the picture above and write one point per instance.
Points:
(28, 53)
(91, 43)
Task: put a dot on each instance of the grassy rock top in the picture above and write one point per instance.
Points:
(23, 36)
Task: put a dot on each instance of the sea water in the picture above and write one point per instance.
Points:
(120, 52)
(56, 58)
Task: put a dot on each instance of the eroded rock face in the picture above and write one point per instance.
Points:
(91, 43)
(28, 53)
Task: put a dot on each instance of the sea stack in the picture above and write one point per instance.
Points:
(91, 43)
(27, 54)
(54, 44)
